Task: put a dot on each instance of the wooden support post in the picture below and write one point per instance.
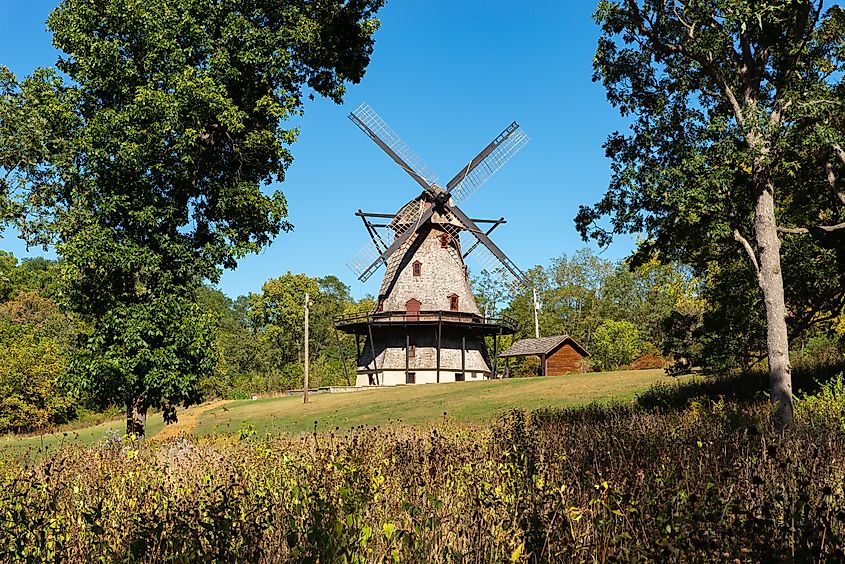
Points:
(439, 330)
(373, 349)
(407, 356)
(463, 357)
(357, 345)
(305, 386)
(342, 357)
(496, 355)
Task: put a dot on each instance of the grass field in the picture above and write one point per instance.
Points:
(467, 401)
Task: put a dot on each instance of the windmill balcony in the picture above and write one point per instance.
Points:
(358, 323)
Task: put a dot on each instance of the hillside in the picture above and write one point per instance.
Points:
(466, 401)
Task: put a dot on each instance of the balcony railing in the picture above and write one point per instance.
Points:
(425, 317)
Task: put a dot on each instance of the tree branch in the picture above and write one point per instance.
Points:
(816, 229)
(839, 152)
(831, 180)
(666, 48)
(747, 246)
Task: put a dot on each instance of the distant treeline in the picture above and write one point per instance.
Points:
(653, 315)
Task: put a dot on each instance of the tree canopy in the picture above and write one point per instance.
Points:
(174, 116)
(735, 139)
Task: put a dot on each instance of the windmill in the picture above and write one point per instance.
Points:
(426, 326)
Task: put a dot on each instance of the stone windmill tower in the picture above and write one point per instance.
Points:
(426, 326)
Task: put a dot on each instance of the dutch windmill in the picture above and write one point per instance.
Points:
(426, 326)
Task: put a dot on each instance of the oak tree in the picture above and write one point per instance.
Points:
(180, 114)
(736, 137)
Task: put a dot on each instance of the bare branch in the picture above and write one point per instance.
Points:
(839, 152)
(831, 180)
(747, 246)
(816, 229)
(666, 48)
(690, 29)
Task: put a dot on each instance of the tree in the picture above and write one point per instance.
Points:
(615, 343)
(174, 119)
(736, 111)
(278, 315)
(31, 373)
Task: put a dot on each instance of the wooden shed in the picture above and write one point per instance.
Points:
(559, 355)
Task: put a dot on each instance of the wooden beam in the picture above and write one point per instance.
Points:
(496, 353)
(463, 357)
(343, 357)
(439, 329)
(407, 356)
(373, 348)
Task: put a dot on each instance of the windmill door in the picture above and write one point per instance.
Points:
(412, 310)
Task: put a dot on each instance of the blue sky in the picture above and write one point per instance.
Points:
(447, 77)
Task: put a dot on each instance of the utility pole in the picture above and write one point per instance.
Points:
(536, 318)
(305, 387)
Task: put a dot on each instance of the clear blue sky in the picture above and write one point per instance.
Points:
(448, 77)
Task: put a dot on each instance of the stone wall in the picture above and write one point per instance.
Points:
(442, 274)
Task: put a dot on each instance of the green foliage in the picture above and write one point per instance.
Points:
(173, 118)
(735, 138)
(260, 336)
(36, 338)
(154, 353)
(579, 293)
(825, 407)
(32, 370)
(616, 343)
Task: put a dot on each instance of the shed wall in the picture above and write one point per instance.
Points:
(563, 361)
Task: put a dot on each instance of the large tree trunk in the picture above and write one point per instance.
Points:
(770, 278)
(136, 417)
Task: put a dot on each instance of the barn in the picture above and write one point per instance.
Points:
(559, 355)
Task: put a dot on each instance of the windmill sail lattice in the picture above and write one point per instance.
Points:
(506, 145)
(377, 129)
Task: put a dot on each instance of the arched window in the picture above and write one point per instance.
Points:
(417, 266)
(453, 302)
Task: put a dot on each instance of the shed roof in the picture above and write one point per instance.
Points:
(543, 345)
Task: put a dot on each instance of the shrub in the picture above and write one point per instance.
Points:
(31, 370)
(826, 406)
(712, 483)
(648, 361)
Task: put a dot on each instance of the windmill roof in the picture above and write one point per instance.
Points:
(543, 345)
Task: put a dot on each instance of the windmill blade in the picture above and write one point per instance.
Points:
(488, 161)
(363, 259)
(496, 224)
(365, 263)
(377, 129)
(485, 240)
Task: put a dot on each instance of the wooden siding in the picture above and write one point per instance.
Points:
(563, 361)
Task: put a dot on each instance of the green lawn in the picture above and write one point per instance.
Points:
(85, 435)
(466, 401)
